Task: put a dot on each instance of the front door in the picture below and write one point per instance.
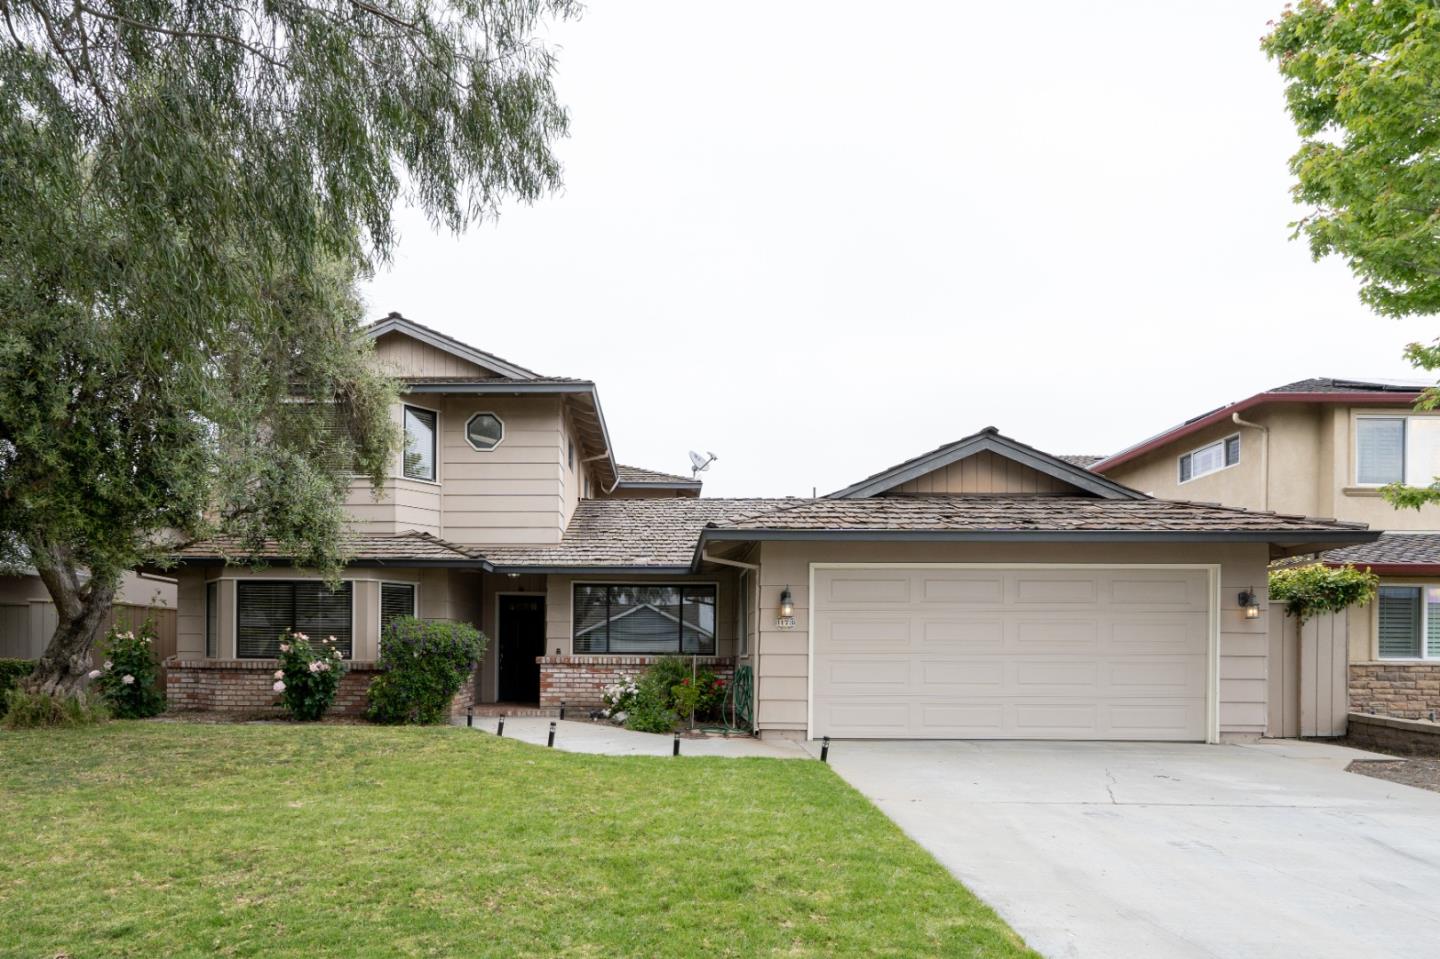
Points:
(522, 640)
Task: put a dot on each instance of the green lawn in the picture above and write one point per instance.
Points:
(162, 839)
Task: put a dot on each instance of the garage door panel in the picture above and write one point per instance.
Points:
(1042, 590)
(1061, 654)
(854, 589)
(960, 677)
(985, 590)
(963, 635)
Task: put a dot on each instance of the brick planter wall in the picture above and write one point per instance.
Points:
(1409, 737)
(579, 681)
(245, 686)
(1405, 690)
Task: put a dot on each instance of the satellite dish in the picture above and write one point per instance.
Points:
(700, 462)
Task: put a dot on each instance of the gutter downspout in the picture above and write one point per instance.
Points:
(1264, 457)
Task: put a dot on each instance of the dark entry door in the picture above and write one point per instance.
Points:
(522, 639)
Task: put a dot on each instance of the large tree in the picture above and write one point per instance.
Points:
(190, 190)
(1362, 81)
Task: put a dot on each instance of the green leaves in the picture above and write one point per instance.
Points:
(1363, 87)
(1309, 590)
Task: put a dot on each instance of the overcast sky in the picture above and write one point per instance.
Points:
(820, 238)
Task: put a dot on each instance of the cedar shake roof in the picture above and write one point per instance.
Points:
(1082, 460)
(1390, 550)
(632, 533)
(1024, 513)
(391, 549)
(638, 475)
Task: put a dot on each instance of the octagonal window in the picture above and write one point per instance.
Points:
(484, 431)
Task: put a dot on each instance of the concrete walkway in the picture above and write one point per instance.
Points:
(1118, 850)
(604, 739)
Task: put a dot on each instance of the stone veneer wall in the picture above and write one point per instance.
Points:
(1405, 690)
(579, 681)
(245, 686)
(1409, 737)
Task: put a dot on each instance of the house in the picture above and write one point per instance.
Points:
(983, 590)
(1326, 447)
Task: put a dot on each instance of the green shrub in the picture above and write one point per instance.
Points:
(11, 672)
(668, 691)
(424, 663)
(648, 715)
(27, 710)
(129, 681)
(309, 675)
(1313, 589)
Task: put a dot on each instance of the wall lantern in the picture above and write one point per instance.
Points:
(787, 603)
(1250, 603)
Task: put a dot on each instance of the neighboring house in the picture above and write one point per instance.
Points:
(983, 590)
(1326, 447)
(27, 616)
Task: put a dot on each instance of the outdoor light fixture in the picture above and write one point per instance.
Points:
(1250, 603)
(787, 603)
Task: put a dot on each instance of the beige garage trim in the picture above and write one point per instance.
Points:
(1014, 651)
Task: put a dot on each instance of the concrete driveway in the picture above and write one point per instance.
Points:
(1135, 850)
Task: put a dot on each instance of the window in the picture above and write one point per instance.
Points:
(267, 608)
(212, 620)
(1409, 622)
(1210, 458)
(396, 599)
(1397, 449)
(622, 618)
(419, 443)
(484, 431)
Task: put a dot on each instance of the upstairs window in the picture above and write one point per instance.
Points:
(484, 431)
(1397, 449)
(419, 443)
(1409, 622)
(1211, 458)
(623, 618)
(265, 609)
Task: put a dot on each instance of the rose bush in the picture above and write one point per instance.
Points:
(309, 675)
(129, 679)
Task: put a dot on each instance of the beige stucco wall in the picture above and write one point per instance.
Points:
(782, 656)
(1311, 466)
(984, 473)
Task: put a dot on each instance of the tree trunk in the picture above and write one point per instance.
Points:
(83, 611)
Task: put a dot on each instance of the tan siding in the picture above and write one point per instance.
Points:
(403, 356)
(985, 473)
(783, 654)
(514, 493)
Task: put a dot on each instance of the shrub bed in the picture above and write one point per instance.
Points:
(424, 663)
(668, 692)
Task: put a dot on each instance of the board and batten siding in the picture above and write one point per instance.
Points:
(402, 355)
(782, 656)
(984, 473)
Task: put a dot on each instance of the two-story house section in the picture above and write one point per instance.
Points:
(1326, 447)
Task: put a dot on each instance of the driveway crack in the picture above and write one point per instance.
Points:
(1110, 787)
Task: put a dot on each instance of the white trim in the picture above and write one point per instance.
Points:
(404, 404)
(630, 581)
(465, 431)
(1355, 446)
(1221, 442)
(1212, 679)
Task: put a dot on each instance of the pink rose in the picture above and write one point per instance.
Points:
(279, 674)
(284, 647)
(279, 687)
(127, 679)
(94, 674)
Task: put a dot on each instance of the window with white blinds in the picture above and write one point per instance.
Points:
(265, 609)
(419, 443)
(1379, 450)
(396, 599)
(1409, 622)
(627, 618)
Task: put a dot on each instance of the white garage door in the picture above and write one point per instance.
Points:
(1011, 653)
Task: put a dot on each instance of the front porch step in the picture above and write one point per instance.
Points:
(527, 709)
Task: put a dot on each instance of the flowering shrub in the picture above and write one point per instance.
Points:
(669, 691)
(129, 680)
(425, 663)
(619, 697)
(309, 675)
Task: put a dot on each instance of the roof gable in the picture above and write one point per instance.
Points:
(464, 359)
(1008, 465)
